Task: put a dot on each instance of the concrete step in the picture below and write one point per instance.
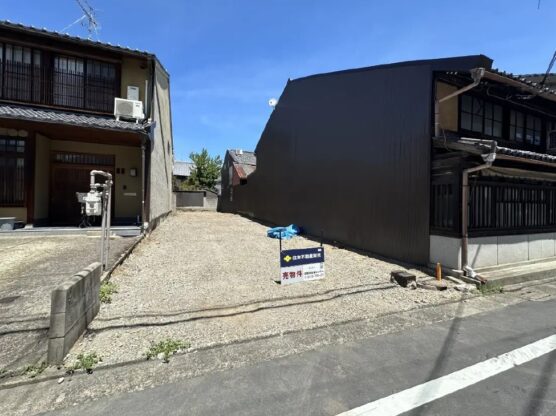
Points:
(519, 272)
(122, 231)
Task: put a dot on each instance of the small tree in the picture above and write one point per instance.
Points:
(207, 170)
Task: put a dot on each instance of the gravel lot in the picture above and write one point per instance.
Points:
(30, 267)
(207, 278)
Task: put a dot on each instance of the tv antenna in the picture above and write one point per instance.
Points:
(547, 74)
(88, 20)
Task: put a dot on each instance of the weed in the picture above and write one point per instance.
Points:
(107, 289)
(491, 289)
(167, 347)
(34, 370)
(86, 362)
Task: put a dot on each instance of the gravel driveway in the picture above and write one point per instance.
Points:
(30, 267)
(207, 278)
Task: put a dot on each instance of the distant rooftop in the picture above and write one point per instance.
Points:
(182, 168)
(243, 157)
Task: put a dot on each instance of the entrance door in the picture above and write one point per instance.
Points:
(70, 173)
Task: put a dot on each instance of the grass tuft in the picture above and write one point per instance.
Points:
(34, 370)
(491, 289)
(167, 347)
(107, 289)
(86, 362)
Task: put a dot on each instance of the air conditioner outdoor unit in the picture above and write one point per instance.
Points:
(128, 109)
(551, 141)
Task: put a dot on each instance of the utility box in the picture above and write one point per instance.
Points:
(133, 92)
(93, 204)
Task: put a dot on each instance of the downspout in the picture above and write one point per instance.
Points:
(488, 159)
(144, 223)
(477, 74)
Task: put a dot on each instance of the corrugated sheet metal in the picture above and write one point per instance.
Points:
(347, 155)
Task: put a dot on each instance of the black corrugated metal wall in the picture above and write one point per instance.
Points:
(347, 155)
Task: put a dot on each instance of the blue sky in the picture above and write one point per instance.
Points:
(227, 58)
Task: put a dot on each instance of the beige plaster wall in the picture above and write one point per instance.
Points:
(134, 74)
(449, 109)
(20, 213)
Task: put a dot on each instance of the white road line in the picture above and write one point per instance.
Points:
(413, 397)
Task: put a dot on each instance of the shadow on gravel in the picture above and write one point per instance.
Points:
(225, 315)
(23, 331)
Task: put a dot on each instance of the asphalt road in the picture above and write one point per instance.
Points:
(338, 378)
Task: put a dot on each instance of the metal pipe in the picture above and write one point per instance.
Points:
(99, 172)
(108, 222)
(143, 173)
(477, 74)
(103, 235)
(489, 159)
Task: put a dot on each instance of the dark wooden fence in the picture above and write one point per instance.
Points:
(504, 207)
(496, 207)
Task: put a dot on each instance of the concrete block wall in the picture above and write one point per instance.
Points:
(196, 199)
(211, 201)
(74, 304)
(492, 251)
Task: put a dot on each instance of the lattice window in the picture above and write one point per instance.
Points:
(12, 171)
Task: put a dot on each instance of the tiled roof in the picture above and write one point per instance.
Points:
(249, 169)
(183, 168)
(79, 40)
(526, 80)
(477, 146)
(9, 111)
(66, 36)
(243, 158)
(550, 79)
(519, 153)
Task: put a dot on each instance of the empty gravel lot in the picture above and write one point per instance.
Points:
(207, 278)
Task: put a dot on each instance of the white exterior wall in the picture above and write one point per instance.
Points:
(492, 251)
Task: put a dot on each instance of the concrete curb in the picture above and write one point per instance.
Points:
(518, 286)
